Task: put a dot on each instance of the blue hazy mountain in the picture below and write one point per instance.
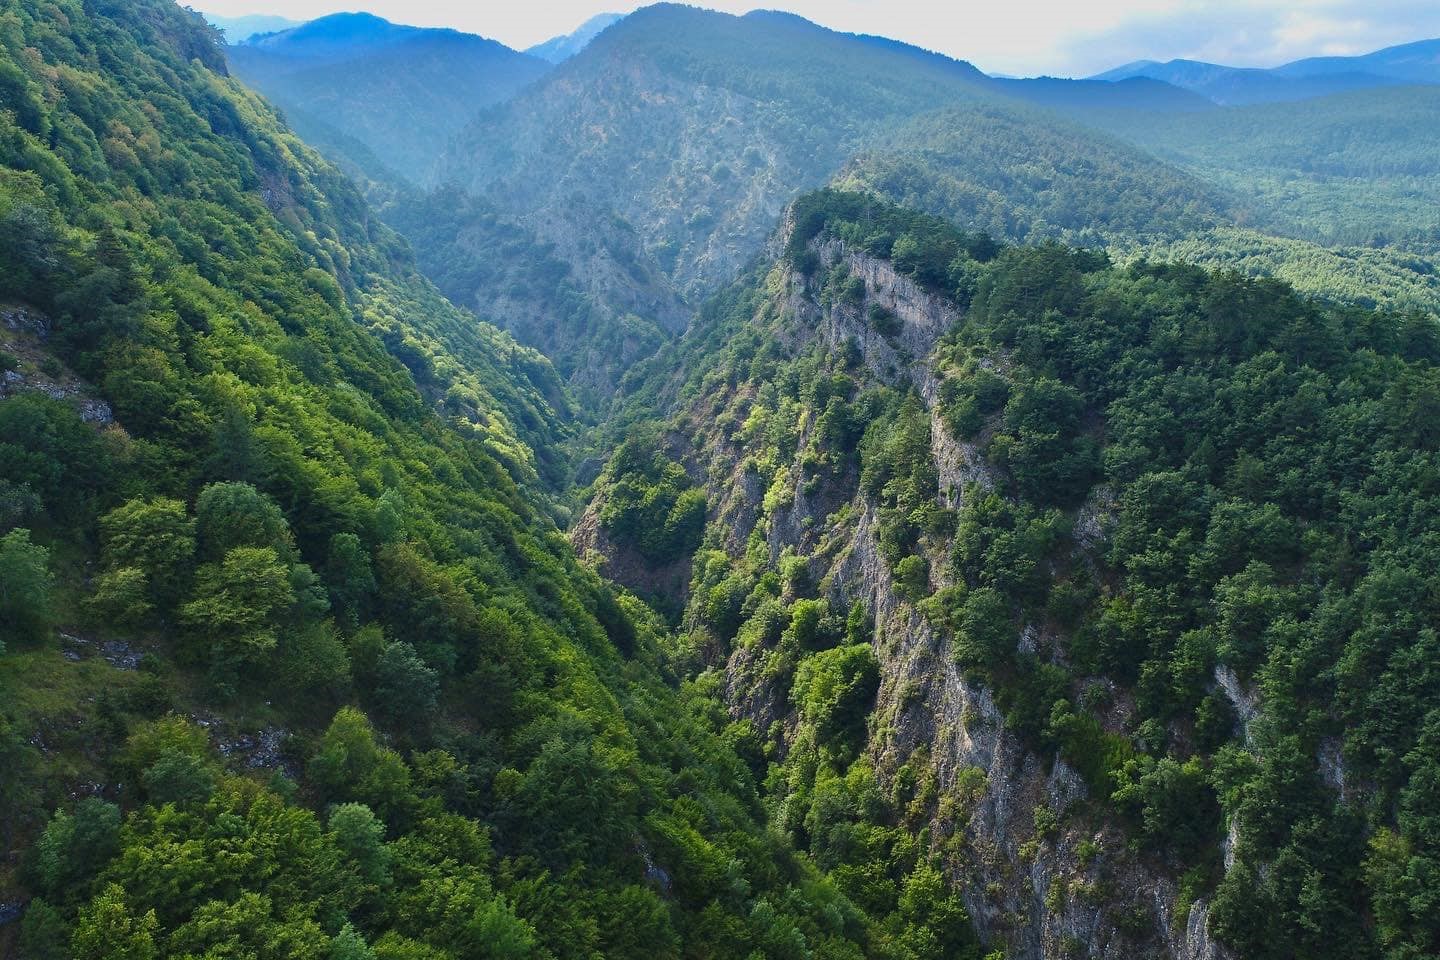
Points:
(240, 29)
(1301, 80)
(1417, 62)
(400, 92)
(562, 48)
(1131, 93)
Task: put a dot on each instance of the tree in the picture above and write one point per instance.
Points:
(350, 577)
(350, 765)
(361, 838)
(121, 597)
(406, 690)
(834, 690)
(986, 630)
(236, 601)
(179, 777)
(156, 537)
(44, 933)
(230, 515)
(25, 582)
(75, 846)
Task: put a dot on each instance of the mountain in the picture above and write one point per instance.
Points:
(1049, 547)
(1353, 168)
(1239, 85)
(1023, 173)
(398, 92)
(1408, 63)
(1140, 92)
(1301, 80)
(562, 48)
(240, 29)
(682, 133)
(293, 658)
(750, 109)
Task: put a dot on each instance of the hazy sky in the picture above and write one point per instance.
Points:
(1060, 37)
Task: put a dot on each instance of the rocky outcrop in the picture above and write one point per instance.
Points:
(30, 368)
(625, 566)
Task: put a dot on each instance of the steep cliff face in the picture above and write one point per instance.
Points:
(1040, 891)
(1043, 873)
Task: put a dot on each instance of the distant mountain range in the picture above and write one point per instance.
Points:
(1317, 76)
(240, 29)
(562, 48)
(401, 92)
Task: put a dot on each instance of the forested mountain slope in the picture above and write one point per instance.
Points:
(697, 127)
(401, 92)
(1354, 168)
(1115, 583)
(1027, 174)
(232, 524)
(1327, 195)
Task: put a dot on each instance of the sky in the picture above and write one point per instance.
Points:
(1020, 37)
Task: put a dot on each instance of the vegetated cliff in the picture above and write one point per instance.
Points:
(1049, 550)
(1043, 873)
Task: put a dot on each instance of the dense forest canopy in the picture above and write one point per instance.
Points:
(1024, 546)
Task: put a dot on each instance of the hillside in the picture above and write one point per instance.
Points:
(1024, 173)
(293, 660)
(1354, 168)
(697, 127)
(401, 92)
(1117, 579)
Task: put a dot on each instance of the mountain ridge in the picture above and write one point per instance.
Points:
(1417, 62)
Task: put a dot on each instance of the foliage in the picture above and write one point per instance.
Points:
(25, 582)
(650, 504)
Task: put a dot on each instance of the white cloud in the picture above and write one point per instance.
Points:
(1062, 37)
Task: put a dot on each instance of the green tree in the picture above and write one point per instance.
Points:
(235, 604)
(230, 515)
(406, 690)
(156, 537)
(75, 846)
(121, 597)
(25, 582)
(107, 929)
(360, 836)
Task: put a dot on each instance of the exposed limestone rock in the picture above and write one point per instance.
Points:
(1033, 894)
(37, 371)
(1245, 701)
